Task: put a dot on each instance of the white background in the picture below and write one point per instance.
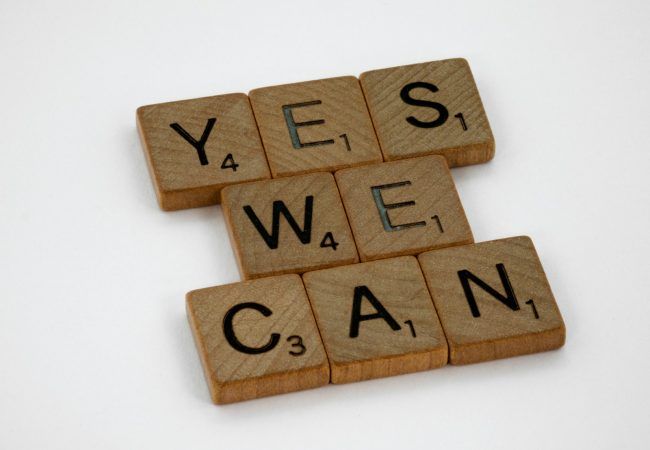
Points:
(95, 349)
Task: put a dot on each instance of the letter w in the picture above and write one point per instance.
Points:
(271, 239)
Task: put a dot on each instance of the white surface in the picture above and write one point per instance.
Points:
(95, 349)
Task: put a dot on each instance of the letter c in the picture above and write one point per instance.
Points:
(230, 333)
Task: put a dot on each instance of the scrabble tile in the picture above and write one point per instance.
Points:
(403, 207)
(429, 108)
(288, 225)
(376, 319)
(196, 147)
(320, 125)
(493, 299)
(257, 338)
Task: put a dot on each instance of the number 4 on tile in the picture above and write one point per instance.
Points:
(328, 241)
(229, 163)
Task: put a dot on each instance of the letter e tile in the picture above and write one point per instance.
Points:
(403, 207)
(320, 125)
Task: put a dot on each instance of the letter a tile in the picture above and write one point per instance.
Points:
(376, 319)
(196, 147)
(403, 207)
(320, 125)
(257, 338)
(288, 225)
(493, 299)
(429, 108)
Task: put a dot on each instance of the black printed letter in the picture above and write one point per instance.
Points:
(279, 207)
(359, 293)
(198, 145)
(230, 333)
(405, 94)
(383, 207)
(510, 299)
(293, 125)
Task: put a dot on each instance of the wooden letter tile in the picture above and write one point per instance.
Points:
(403, 207)
(320, 125)
(257, 338)
(376, 319)
(429, 108)
(493, 299)
(196, 147)
(288, 225)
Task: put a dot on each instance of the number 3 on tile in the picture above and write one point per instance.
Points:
(296, 342)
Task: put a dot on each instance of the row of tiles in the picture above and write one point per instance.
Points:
(460, 305)
(196, 147)
(314, 221)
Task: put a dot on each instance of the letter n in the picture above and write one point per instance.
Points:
(510, 299)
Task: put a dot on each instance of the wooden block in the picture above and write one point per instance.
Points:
(257, 338)
(196, 147)
(288, 225)
(493, 299)
(376, 319)
(429, 108)
(403, 207)
(320, 125)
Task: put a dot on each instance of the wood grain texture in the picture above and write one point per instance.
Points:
(296, 250)
(403, 207)
(180, 179)
(380, 349)
(297, 361)
(500, 330)
(456, 92)
(346, 136)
